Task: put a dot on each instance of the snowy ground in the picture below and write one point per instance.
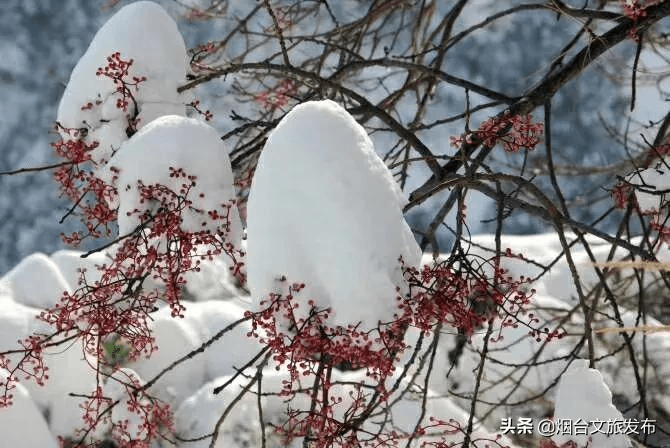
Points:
(50, 411)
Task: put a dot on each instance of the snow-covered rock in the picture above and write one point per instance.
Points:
(174, 339)
(119, 386)
(141, 31)
(198, 414)
(213, 281)
(177, 142)
(325, 211)
(22, 424)
(69, 370)
(37, 282)
(234, 349)
(583, 396)
(70, 263)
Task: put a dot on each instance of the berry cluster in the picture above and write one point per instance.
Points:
(515, 132)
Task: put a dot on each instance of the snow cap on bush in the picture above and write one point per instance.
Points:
(152, 156)
(325, 211)
(144, 33)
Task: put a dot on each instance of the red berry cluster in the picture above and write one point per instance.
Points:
(118, 70)
(515, 132)
(465, 299)
(30, 365)
(309, 347)
(78, 182)
(206, 113)
(152, 416)
(635, 10)
(278, 97)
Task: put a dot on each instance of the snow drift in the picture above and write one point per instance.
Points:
(324, 210)
(141, 31)
(176, 142)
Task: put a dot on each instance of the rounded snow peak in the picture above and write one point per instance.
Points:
(325, 211)
(166, 144)
(583, 396)
(141, 32)
(42, 294)
(332, 135)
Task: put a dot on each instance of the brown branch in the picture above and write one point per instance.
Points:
(381, 114)
(279, 31)
(35, 169)
(545, 90)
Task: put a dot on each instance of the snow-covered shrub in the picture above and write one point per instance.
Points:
(131, 62)
(348, 338)
(325, 206)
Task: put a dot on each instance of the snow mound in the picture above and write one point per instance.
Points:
(325, 211)
(174, 339)
(177, 142)
(24, 414)
(582, 394)
(199, 413)
(234, 348)
(68, 370)
(70, 263)
(37, 282)
(141, 31)
(213, 281)
(119, 386)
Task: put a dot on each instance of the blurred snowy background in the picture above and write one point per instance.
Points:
(40, 41)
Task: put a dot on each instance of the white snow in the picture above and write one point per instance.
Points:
(70, 263)
(177, 142)
(213, 282)
(234, 348)
(199, 413)
(582, 394)
(653, 186)
(144, 32)
(23, 424)
(44, 293)
(69, 371)
(116, 388)
(325, 211)
(174, 338)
